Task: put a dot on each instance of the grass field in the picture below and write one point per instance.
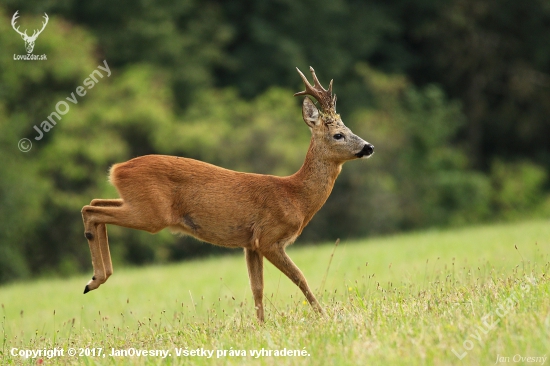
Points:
(466, 296)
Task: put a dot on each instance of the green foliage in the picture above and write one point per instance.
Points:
(496, 60)
(22, 194)
(454, 95)
(518, 187)
(183, 38)
(265, 135)
(27, 94)
(272, 37)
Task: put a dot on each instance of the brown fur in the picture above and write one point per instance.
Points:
(260, 213)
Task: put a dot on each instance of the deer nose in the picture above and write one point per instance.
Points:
(367, 150)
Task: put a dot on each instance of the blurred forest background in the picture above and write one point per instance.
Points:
(454, 94)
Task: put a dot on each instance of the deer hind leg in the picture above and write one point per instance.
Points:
(282, 261)
(99, 246)
(103, 241)
(255, 263)
(95, 217)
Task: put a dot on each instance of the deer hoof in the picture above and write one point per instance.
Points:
(86, 289)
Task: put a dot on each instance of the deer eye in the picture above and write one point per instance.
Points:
(338, 136)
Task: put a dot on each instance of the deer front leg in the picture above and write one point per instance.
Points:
(99, 247)
(282, 261)
(255, 263)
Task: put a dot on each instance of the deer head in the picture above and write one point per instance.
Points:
(29, 40)
(329, 133)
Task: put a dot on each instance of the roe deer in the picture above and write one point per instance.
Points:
(260, 213)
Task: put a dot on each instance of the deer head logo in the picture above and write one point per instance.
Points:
(29, 40)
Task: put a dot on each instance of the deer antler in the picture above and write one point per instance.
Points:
(323, 96)
(13, 20)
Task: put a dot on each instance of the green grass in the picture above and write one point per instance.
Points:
(421, 298)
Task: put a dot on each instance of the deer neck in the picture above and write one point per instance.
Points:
(315, 180)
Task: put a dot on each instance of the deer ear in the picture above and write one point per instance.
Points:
(310, 113)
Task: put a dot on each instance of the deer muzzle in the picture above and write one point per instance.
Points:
(366, 151)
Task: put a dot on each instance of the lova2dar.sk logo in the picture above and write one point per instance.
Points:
(29, 40)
